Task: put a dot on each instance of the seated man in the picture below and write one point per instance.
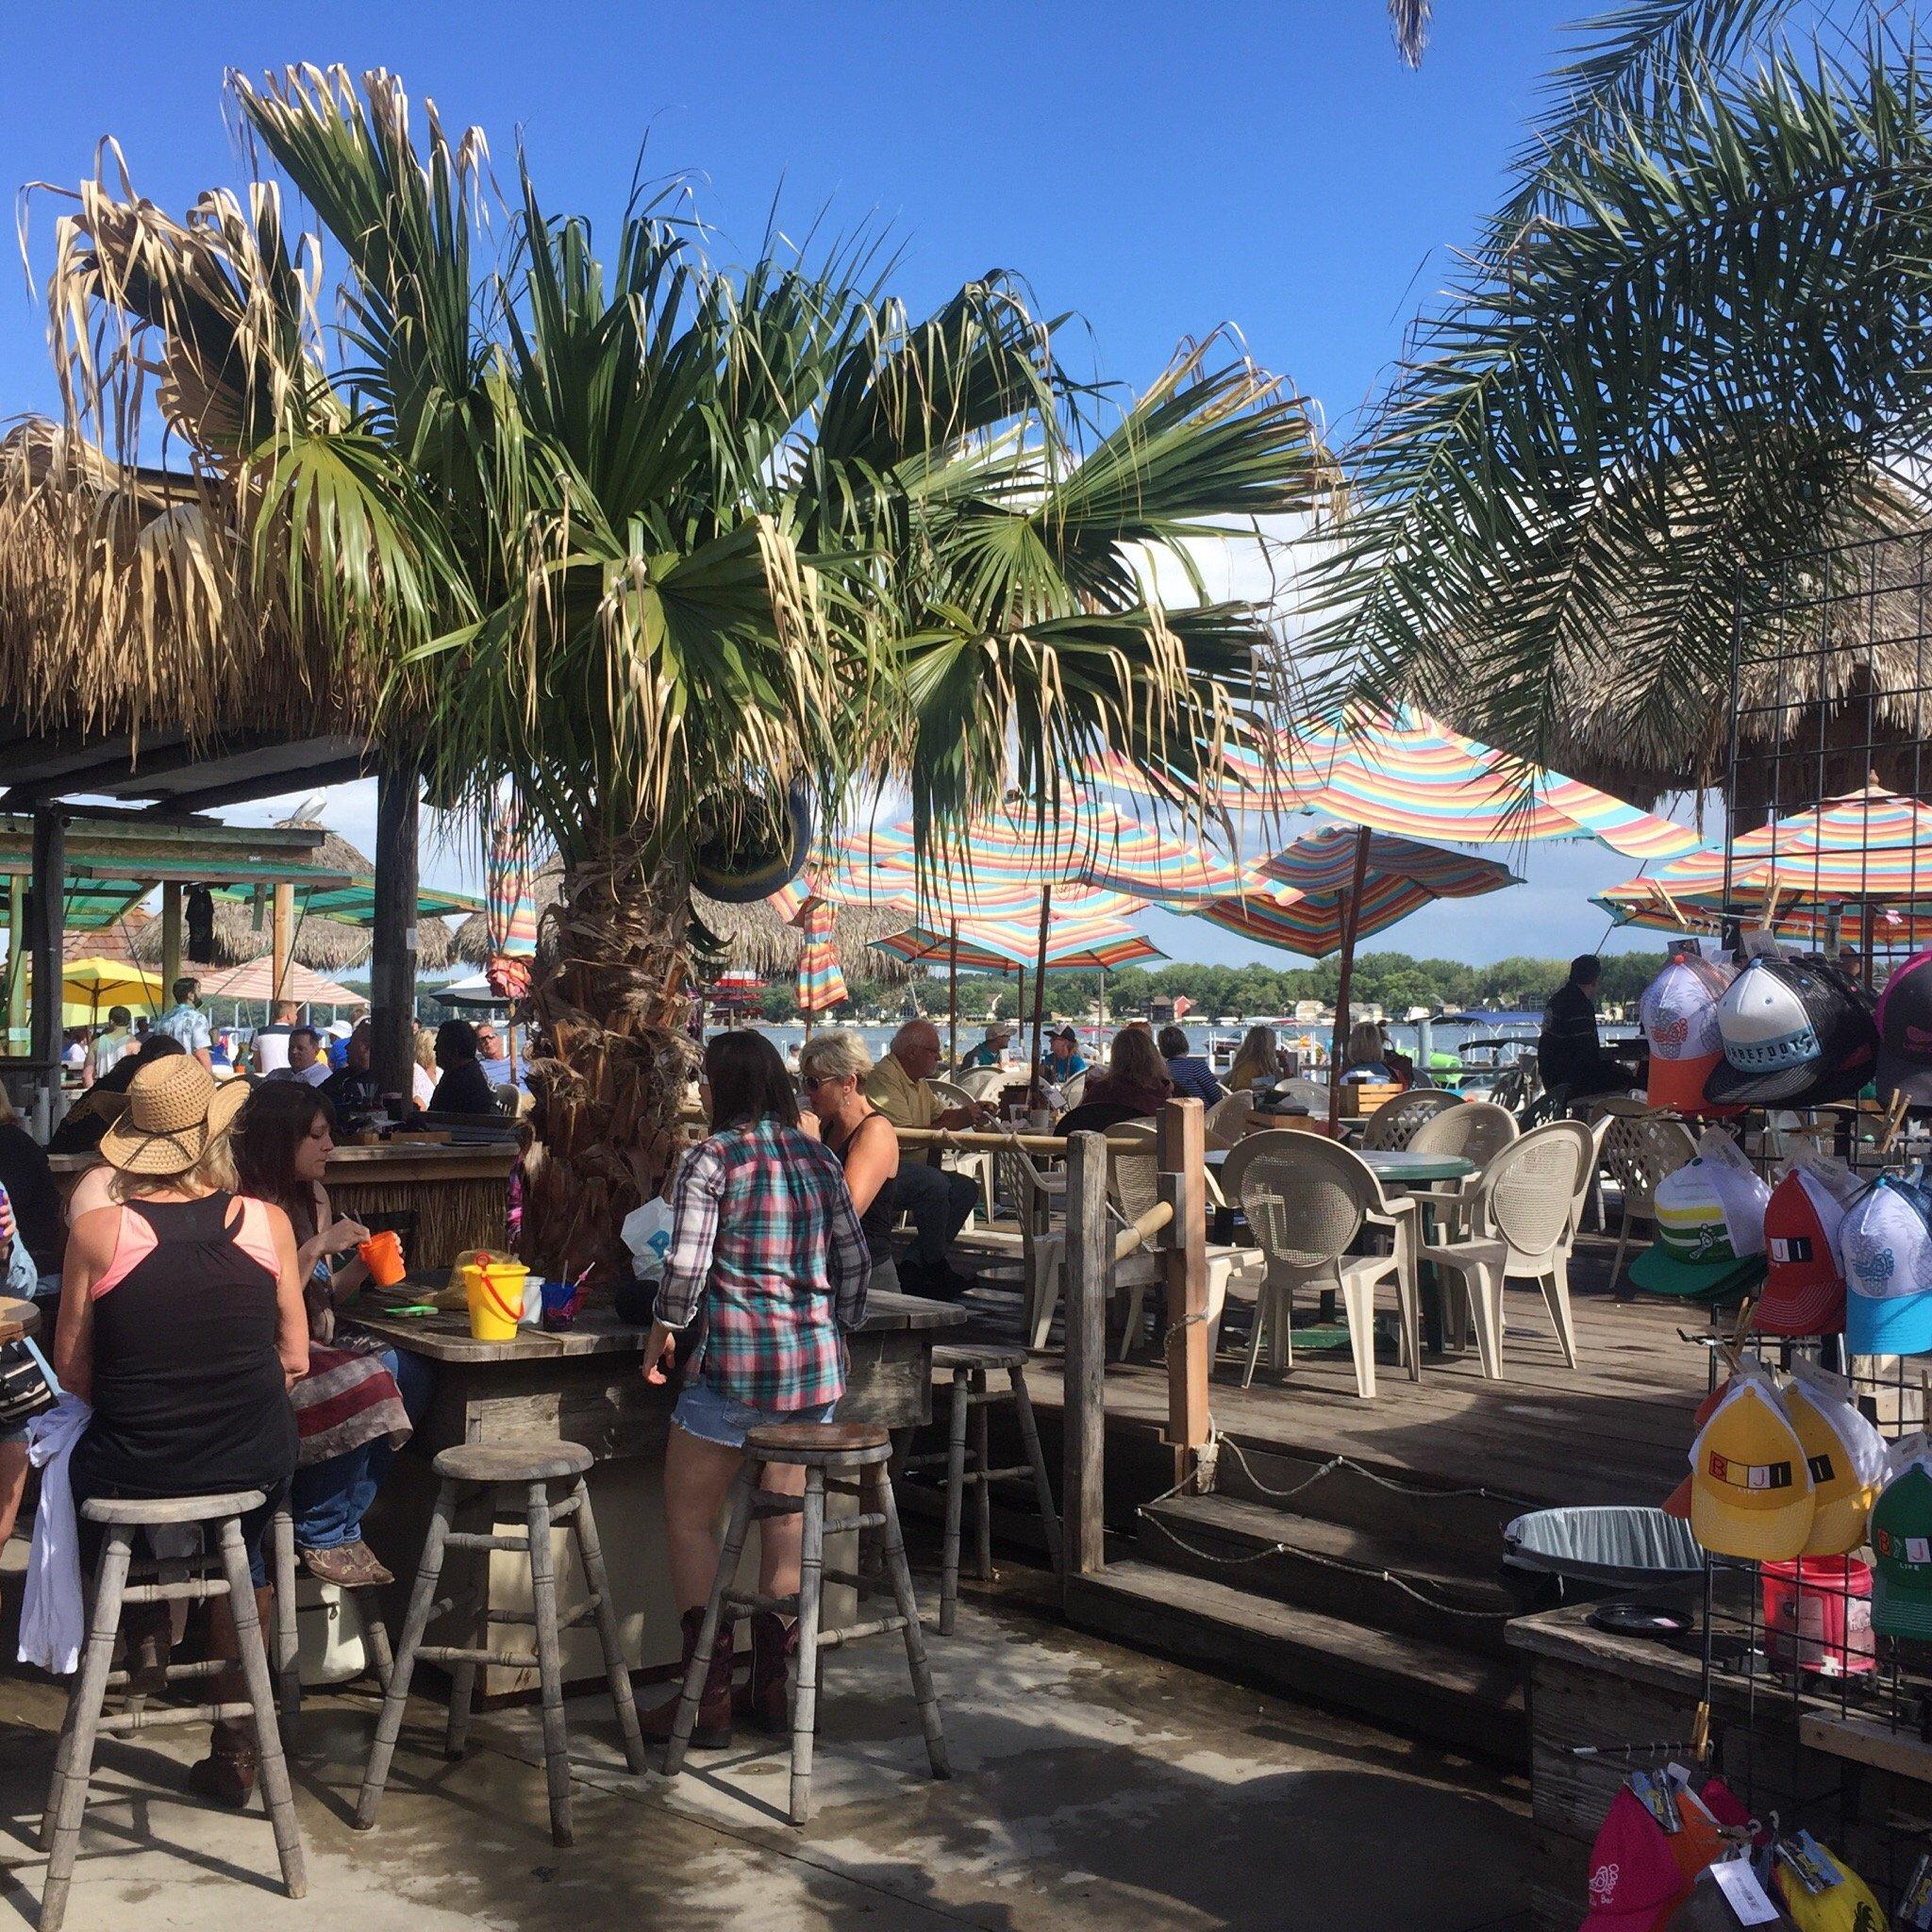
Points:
(352, 1089)
(938, 1203)
(306, 1061)
(1569, 1054)
(464, 1087)
(1193, 1077)
(990, 1052)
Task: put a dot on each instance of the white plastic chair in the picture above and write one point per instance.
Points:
(1227, 1121)
(975, 1161)
(1394, 1124)
(1307, 1198)
(976, 1083)
(1475, 1131)
(1637, 1151)
(1523, 1219)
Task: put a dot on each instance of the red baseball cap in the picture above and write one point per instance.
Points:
(1804, 1280)
(1635, 1884)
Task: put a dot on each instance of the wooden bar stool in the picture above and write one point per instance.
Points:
(847, 1459)
(84, 1720)
(970, 1365)
(483, 1470)
(287, 1657)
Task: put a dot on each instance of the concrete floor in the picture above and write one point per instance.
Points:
(1092, 1787)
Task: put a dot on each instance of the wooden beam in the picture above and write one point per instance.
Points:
(171, 936)
(1181, 1159)
(1351, 920)
(281, 935)
(264, 785)
(16, 964)
(393, 930)
(50, 884)
(1090, 1272)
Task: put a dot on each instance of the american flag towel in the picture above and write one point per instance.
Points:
(345, 1400)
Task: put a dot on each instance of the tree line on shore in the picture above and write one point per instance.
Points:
(1395, 981)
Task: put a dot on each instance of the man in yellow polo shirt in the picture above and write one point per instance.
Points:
(938, 1203)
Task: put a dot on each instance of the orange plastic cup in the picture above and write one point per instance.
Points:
(382, 1254)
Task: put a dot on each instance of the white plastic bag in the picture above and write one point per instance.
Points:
(647, 1234)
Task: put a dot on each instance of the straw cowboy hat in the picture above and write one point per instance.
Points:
(175, 1110)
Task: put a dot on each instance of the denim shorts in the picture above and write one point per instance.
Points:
(712, 1417)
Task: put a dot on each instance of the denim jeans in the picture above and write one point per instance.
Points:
(939, 1204)
(328, 1499)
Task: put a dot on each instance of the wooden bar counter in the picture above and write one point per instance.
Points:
(458, 1194)
(587, 1386)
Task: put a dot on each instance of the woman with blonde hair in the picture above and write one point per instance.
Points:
(1362, 1058)
(832, 1067)
(1258, 1062)
(423, 1073)
(182, 1323)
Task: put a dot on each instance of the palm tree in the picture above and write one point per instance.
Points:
(676, 549)
(1688, 347)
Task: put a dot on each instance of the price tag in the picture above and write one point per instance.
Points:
(1746, 1898)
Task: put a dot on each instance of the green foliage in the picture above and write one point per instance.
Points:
(1689, 348)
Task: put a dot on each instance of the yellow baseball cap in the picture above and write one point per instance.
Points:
(1751, 1488)
(1846, 1907)
(1846, 1458)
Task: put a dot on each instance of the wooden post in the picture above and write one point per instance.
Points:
(1090, 1269)
(1039, 994)
(16, 963)
(1183, 1266)
(1351, 920)
(170, 938)
(281, 937)
(49, 917)
(393, 937)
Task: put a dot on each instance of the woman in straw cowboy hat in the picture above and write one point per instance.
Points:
(181, 1322)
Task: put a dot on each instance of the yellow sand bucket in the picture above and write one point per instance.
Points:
(493, 1287)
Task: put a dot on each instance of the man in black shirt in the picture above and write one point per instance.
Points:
(464, 1087)
(1569, 1054)
(352, 1087)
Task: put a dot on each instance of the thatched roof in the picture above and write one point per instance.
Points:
(756, 938)
(326, 945)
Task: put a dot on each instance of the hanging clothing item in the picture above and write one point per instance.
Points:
(52, 1622)
(198, 910)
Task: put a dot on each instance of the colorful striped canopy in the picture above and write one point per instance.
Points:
(510, 909)
(1089, 844)
(1406, 772)
(1800, 923)
(820, 983)
(1307, 908)
(991, 946)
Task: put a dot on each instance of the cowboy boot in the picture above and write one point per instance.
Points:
(712, 1730)
(226, 1774)
(765, 1701)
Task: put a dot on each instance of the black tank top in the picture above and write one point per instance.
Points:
(878, 1220)
(188, 1398)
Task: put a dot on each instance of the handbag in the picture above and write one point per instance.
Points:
(27, 1387)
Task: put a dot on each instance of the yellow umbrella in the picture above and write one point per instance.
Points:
(94, 985)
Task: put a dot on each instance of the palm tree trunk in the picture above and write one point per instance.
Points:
(608, 1001)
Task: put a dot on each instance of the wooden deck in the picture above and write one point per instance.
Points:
(1615, 1429)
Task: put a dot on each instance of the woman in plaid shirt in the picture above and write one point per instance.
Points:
(765, 1241)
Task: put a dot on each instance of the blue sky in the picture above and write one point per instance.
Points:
(1159, 169)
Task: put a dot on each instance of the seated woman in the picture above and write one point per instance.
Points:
(1362, 1058)
(350, 1408)
(1257, 1062)
(1134, 1083)
(181, 1322)
(1193, 1078)
(765, 1240)
(832, 1070)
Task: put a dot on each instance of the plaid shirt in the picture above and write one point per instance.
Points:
(764, 1234)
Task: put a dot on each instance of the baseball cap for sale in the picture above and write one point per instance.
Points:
(1751, 1491)
(1805, 1278)
(1846, 1907)
(1677, 1503)
(1709, 1231)
(1678, 1014)
(1887, 1242)
(1794, 1030)
(1633, 1882)
(1901, 1534)
(1845, 1456)
(1905, 1031)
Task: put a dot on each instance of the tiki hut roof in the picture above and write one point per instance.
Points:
(755, 939)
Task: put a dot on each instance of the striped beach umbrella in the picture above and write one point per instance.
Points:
(821, 984)
(992, 946)
(510, 908)
(1405, 772)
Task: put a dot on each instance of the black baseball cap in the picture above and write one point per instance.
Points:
(1905, 1031)
(1796, 1032)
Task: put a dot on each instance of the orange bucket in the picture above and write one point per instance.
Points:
(382, 1254)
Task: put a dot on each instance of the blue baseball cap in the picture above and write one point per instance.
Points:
(1886, 1240)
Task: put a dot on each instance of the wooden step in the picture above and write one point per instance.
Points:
(1403, 1684)
(1337, 1569)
